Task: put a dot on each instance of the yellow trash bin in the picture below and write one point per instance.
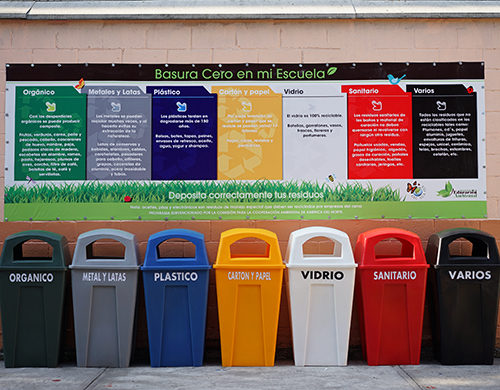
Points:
(248, 297)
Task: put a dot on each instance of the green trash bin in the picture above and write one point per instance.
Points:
(32, 300)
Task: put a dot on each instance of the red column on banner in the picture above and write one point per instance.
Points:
(380, 132)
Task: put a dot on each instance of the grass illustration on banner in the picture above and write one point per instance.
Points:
(199, 191)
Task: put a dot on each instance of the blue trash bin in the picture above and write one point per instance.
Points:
(176, 292)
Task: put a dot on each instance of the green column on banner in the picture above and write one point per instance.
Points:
(50, 133)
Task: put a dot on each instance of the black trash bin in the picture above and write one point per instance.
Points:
(32, 293)
(465, 292)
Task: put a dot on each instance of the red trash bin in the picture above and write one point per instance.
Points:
(390, 296)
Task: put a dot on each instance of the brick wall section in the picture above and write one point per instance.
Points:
(309, 41)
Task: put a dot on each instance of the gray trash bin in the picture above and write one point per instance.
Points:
(104, 300)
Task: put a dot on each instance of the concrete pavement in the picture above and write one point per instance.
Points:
(284, 375)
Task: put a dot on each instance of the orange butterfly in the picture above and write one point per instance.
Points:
(411, 188)
(80, 84)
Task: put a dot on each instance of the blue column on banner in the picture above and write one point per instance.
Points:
(184, 133)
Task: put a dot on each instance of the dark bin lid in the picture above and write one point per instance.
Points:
(130, 261)
(484, 248)
(153, 261)
(12, 252)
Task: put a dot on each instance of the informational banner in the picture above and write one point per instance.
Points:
(245, 141)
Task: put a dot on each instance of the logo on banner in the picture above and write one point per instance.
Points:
(416, 190)
(448, 191)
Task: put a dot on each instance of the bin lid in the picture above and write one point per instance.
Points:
(412, 252)
(153, 261)
(342, 252)
(12, 252)
(82, 258)
(270, 259)
(484, 248)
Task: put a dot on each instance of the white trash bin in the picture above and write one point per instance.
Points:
(320, 296)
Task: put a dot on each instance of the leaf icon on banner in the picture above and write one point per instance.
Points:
(331, 70)
(448, 188)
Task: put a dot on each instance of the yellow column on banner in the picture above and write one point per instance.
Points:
(249, 133)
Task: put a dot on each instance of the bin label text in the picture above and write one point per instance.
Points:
(104, 277)
(176, 277)
(326, 275)
(479, 275)
(248, 275)
(394, 275)
(31, 278)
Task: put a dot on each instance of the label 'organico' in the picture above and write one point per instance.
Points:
(31, 278)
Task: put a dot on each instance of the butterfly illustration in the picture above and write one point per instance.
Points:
(411, 188)
(80, 84)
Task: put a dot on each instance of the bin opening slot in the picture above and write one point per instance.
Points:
(394, 249)
(176, 248)
(249, 247)
(468, 247)
(321, 247)
(33, 250)
(105, 248)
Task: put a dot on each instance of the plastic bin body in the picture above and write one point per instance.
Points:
(390, 295)
(176, 291)
(465, 293)
(320, 292)
(248, 297)
(32, 300)
(104, 300)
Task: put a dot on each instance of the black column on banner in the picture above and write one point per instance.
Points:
(444, 131)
